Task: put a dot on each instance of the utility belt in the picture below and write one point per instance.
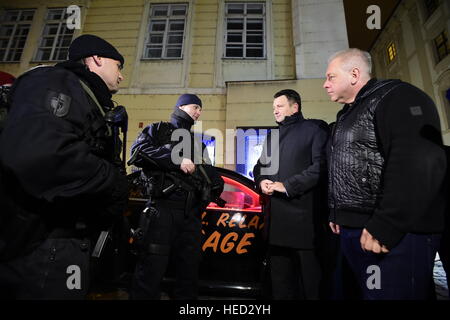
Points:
(65, 233)
(21, 232)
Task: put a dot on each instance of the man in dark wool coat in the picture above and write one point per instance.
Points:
(292, 176)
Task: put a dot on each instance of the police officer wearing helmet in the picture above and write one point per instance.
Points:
(60, 183)
(174, 230)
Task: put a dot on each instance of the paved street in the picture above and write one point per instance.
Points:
(440, 280)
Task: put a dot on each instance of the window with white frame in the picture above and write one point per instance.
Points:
(165, 36)
(56, 36)
(15, 25)
(244, 30)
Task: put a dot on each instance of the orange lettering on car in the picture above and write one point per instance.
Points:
(212, 241)
(226, 246)
(241, 223)
(254, 222)
(223, 219)
(240, 248)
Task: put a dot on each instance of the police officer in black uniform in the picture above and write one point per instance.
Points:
(6, 81)
(174, 230)
(60, 180)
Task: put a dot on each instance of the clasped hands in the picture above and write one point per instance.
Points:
(269, 187)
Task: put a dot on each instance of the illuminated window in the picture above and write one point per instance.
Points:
(391, 52)
(166, 31)
(442, 45)
(244, 30)
(56, 37)
(430, 6)
(14, 28)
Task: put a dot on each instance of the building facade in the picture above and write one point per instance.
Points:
(415, 47)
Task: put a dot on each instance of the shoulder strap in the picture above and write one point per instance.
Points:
(92, 95)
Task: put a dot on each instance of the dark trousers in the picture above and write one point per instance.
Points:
(340, 283)
(177, 235)
(444, 254)
(405, 273)
(295, 274)
(55, 269)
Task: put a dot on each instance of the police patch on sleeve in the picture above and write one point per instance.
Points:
(58, 103)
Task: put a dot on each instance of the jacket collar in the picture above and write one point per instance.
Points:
(371, 86)
(98, 86)
(298, 116)
(181, 119)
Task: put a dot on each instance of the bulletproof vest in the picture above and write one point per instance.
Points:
(195, 183)
(164, 132)
(97, 134)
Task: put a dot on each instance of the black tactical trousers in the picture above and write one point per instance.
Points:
(55, 269)
(175, 237)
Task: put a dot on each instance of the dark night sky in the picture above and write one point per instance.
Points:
(359, 35)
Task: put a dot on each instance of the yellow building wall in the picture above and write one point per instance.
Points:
(284, 51)
(147, 109)
(118, 22)
(204, 29)
(200, 51)
(250, 103)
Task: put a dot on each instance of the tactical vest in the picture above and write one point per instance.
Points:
(97, 134)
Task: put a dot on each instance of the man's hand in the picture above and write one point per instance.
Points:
(187, 166)
(335, 228)
(264, 185)
(277, 186)
(369, 243)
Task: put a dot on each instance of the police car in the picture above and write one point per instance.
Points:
(233, 243)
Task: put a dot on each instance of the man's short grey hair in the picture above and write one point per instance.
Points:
(354, 57)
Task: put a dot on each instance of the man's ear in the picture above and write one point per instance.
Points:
(98, 60)
(355, 74)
